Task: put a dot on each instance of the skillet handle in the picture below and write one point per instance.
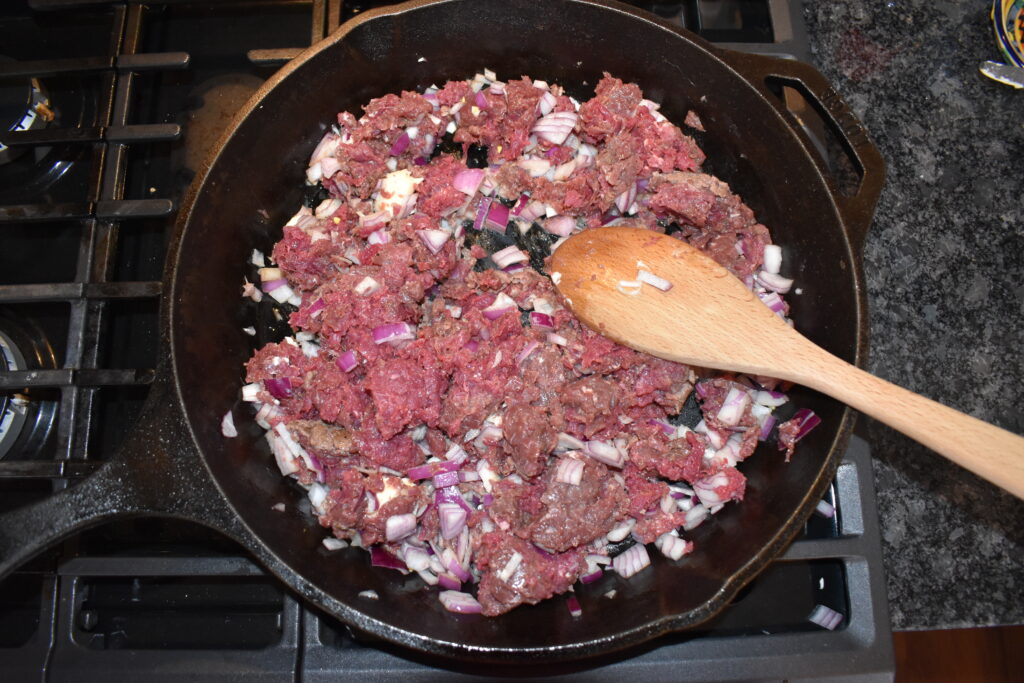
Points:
(857, 209)
(157, 472)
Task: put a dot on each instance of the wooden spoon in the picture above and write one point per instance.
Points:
(709, 319)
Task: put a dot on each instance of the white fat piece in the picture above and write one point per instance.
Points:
(395, 190)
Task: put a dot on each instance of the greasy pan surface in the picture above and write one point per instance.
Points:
(253, 184)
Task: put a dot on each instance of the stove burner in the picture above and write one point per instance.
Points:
(24, 105)
(26, 419)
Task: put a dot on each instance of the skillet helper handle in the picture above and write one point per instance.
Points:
(157, 472)
(858, 209)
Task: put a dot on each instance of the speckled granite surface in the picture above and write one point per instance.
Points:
(944, 271)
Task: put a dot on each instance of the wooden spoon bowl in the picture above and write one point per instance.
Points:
(708, 318)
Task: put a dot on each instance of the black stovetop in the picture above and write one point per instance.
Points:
(138, 93)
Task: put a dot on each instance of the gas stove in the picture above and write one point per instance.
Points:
(108, 110)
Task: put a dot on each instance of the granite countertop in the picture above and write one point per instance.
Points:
(944, 263)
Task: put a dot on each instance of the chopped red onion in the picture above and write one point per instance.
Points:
(562, 226)
(533, 211)
(269, 286)
(380, 557)
(527, 350)
(508, 256)
(568, 442)
(279, 387)
(825, 509)
(443, 479)
(456, 454)
(773, 301)
(735, 403)
(771, 399)
(766, 428)
(446, 580)
(694, 516)
(773, 281)
(329, 166)
(327, 207)
(653, 280)
(469, 475)
(555, 127)
(316, 308)
(497, 217)
(524, 199)
(557, 339)
(542, 320)
(430, 469)
(468, 181)
(393, 332)
(569, 471)
(455, 568)
(632, 561)
(626, 199)
(481, 212)
(510, 567)
(366, 286)
(668, 429)
(332, 543)
(807, 421)
(592, 576)
(605, 452)
(673, 547)
(227, 426)
(379, 236)
(503, 304)
(416, 559)
(772, 258)
(286, 461)
(574, 606)
(433, 239)
(347, 361)
(826, 617)
(401, 143)
(453, 519)
(399, 526)
(547, 103)
(463, 603)
(481, 100)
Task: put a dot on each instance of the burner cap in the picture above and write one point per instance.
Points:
(23, 106)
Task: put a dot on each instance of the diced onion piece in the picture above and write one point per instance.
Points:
(366, 286)
(332, 543)
(541, 320)
(497, 217)
(393, 332)
(771, 399)
(620, 532)
(369, 595)
(569, 471)
(626, 199)
(735, 403)
(568, 442)
(533, 211)
(468, 181)
(557, 339)
(433, 239)
(530, 347)
(574, 606)
(398, 527)
(826, 617)
(562, 226)
(509, 255)
(251, 391)
(694, 516)
(673, 547)
(327, 207)
(378, 236)
(227, 426)
(416, 559)
(605, 452)
(463, 603)
(400, 144)
(503, 304)
(773, 281)
(772, 258)
(629, 287)
(653, 280)
(535, 167)
(453, 519)
(348, 361)
(555, 127)
(510, 567)
(825, 509)
(279, 387)
(632, 561)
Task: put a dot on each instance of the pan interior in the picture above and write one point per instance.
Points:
(254, 184)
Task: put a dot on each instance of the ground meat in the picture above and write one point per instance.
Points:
(428, 382)
(538, 576)
(530, 437)
(578, 514)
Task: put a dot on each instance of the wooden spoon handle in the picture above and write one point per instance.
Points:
(986, 450)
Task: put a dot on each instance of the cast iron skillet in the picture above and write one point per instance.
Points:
(176, 463)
